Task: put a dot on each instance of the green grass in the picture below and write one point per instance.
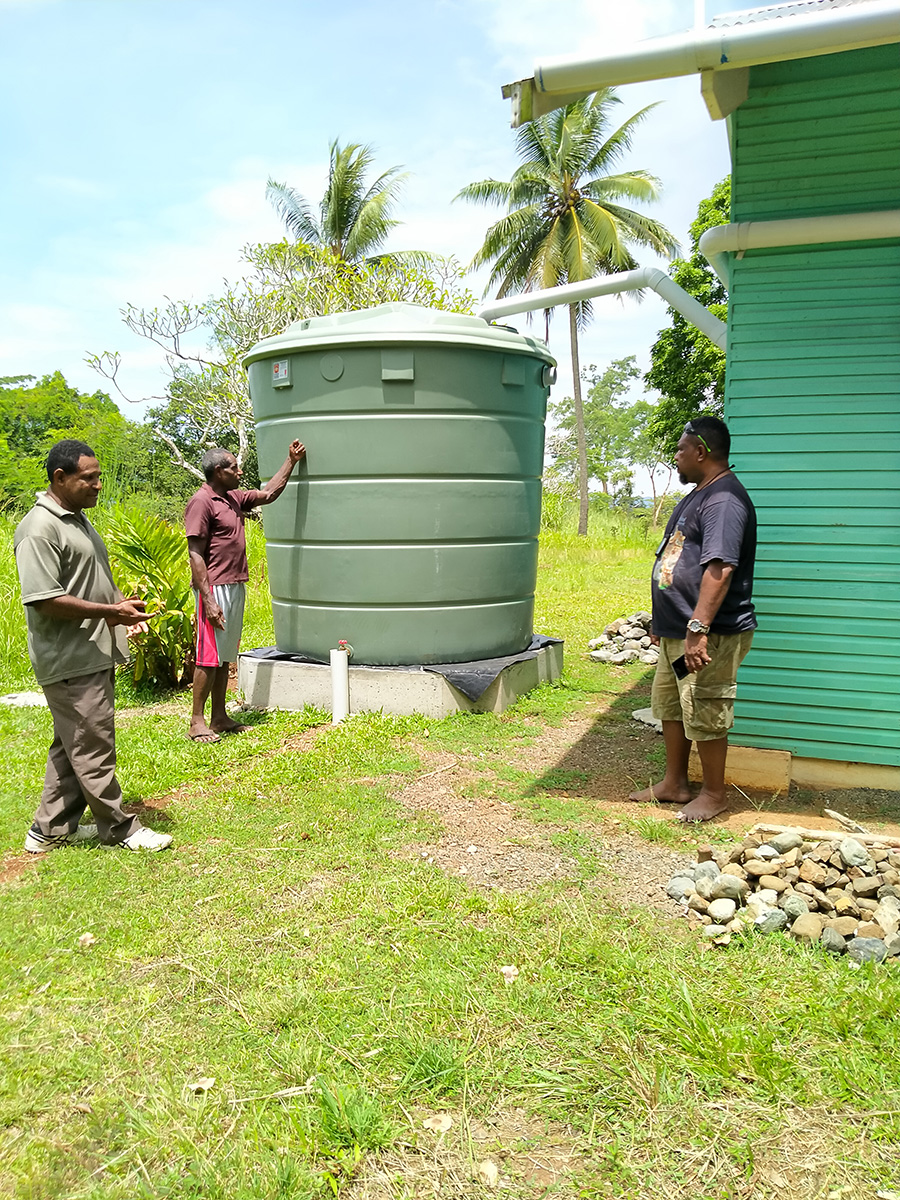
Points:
(338, 989)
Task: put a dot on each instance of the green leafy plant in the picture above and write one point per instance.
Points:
(349, 1119)
(149, 558)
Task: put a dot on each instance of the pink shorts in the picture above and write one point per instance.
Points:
(218, 646)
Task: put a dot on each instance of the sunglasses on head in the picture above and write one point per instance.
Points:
(689, 428)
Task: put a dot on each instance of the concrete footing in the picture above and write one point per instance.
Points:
(270, 683)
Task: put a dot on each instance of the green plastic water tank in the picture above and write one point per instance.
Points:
(410, 530)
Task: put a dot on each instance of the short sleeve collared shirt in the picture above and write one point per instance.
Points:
(218, 521)
(59, 553)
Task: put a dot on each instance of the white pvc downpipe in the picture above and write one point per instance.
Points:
(340, 683)
(720, 241)
(798, 35)
(608, 285)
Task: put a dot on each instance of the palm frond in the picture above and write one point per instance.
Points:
(610, 150)
(294, 211)
(486, 191)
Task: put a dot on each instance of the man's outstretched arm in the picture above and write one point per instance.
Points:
(278, 482)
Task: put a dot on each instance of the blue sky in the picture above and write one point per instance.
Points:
(137, 137)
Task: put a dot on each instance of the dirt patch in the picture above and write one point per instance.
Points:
(530, 1157)
(14, 866)
(493, 843)
(596, 756)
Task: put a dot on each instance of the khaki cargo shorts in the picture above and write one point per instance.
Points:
(703, 702)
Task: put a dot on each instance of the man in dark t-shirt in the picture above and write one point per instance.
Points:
(703, 617)
(214, 521)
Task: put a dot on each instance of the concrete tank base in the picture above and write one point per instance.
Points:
(400, 691)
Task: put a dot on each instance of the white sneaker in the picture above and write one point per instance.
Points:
(39, 843)
(147, 839)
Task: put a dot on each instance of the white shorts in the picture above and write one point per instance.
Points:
(218, 646)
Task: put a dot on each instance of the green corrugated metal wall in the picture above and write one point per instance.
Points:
(813, 403)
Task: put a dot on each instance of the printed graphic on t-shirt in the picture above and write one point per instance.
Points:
(664, 568)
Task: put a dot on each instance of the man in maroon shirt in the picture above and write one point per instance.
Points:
(214, 521)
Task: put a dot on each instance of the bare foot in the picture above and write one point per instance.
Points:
(703, 808)
(200, 732)
(228, 726)
(663, 792)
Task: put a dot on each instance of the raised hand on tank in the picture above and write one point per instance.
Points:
(296, 451)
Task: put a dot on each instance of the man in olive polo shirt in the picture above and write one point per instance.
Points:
(75, 615)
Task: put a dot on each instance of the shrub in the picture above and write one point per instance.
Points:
(150, 560)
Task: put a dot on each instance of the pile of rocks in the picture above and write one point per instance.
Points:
(839, 893)
(625, 640)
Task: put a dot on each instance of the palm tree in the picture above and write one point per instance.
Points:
(354, 217)
(563, 223)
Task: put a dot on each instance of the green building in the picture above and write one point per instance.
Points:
(810, 93)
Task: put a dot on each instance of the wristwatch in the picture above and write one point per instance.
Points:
(695, 626)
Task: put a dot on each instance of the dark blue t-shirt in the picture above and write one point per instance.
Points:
(718, 521)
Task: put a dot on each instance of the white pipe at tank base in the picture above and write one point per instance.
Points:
(609, 285)
(720, 241)
(340, 684)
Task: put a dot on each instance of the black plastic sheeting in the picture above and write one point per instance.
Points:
(471, 678)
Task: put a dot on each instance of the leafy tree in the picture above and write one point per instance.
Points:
(686, 367)
(564, 222)
(36, 413)
(354, 217)
(608, 425)
(208, 401)
(647, 451)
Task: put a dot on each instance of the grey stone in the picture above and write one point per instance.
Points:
(728, 887)
(853, 853)
(680, 888)
(649, 660)
(603, 656)
(889, 889)
(867, 950)
(705, 887)
(887, 916)
(832, 941)
(632, 644)
(756, 909)
(768, 896)
(784, 842)
(892, 945)
(722, 911)
(646, 717)
(773, 922)
(766, 851)
(794, 906)
(707, 870)
(715, 931)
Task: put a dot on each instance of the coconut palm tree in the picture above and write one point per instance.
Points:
(354, 217)
(563, 222)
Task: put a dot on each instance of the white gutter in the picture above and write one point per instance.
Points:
(715, 53)
(717, 243)
(874, 23)
(629, 281)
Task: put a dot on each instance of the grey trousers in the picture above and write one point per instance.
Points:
(81, 763)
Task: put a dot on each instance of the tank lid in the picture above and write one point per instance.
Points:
(397, 323)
